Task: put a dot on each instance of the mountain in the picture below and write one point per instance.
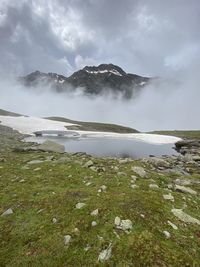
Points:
(92, 80)
(8, 113)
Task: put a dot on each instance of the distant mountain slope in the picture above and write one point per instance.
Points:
(94, 126)
(93, 80)
(8, 113)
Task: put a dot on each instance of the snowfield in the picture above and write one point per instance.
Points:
(29, 125)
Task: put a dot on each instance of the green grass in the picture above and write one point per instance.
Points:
(29, 237)
(195, 134)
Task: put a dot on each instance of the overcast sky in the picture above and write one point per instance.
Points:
(147, 37)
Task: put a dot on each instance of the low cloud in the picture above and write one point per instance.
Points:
(171, 103)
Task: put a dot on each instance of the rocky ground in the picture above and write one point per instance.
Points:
(60, 209)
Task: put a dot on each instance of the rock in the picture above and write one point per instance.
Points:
(80, 205)
(186, 182)
(50, 146)
(172, 225)
(139, 171)
(103, 188)
(153, 186)
(133, 178)
(25, 168)
(158, 162)
(94, 223)
(67, 239)
(36, 161)
(87, 247)
(105, 254)
(121, 174)
(184, 189)
(121, 161)
(125, 225)
(54, 220)
(94, 212)
(184, 217)
(133, 186)
(167, 234)
(94, 169)
(168, 197)
(7, 212)
(37, 169)
(89, 164)
(182, 182)
(117, 221)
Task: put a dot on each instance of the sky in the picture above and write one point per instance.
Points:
(148, 37)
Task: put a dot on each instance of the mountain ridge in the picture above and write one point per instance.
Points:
(93, 80)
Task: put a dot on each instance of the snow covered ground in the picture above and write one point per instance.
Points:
(28, 125)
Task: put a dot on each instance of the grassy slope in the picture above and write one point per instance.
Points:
(195, 134)
(94, 126)
(51, 190)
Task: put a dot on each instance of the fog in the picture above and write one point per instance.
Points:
(168, 103)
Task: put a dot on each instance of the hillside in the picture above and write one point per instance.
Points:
(94, 126)
(8, 113)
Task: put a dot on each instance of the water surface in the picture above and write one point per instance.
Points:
(109, 147)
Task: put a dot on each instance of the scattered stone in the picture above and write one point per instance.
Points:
(94, 223)
(25, 168)
(88, 183)
(89, 164)
(54, 220)
(103, 188)
(36, 161)
(117, 221)
(40, 211)
(94, 169)
(133, 186)
(153, 186)
(172, 225)
(67, 239)
(22, 181)
(87, 247)
(182, 182)
(125, 225)
(158, 162)
(139, 171)
(168, 197)
(121, 161)
(94, 212)
(142, 215)
(133, 178)
(116, 168)
(184, 217)
(7, 212)
(105, 254)
(167, 234)
(184, 189)
(80, 205)
(37, 169)
(121, 174)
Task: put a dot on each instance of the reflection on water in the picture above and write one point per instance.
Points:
(110, 147)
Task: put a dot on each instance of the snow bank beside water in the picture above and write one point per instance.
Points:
(29, 125)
